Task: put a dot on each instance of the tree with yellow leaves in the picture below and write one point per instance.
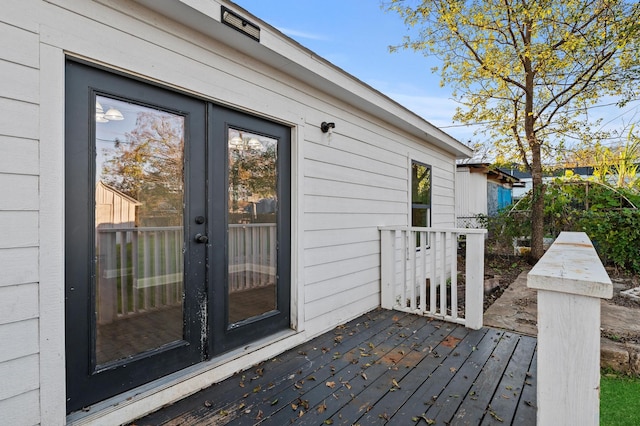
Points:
(529, 70)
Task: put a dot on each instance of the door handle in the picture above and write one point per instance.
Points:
(202, 239)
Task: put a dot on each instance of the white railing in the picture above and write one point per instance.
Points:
(142, 269)
(252, 256)
(419, 272)
(138, 270)
(570, 281)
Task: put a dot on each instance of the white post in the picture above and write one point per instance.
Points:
(474, 280)
(387, 268)
(570, 280)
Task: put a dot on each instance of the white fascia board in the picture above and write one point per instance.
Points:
(281, 52)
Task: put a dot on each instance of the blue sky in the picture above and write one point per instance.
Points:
(355, 35)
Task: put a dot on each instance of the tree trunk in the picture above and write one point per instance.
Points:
(537, 201)
(537, 205)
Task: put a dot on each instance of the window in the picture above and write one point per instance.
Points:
(420, 195)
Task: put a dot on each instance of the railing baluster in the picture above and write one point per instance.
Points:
(125, 265)
(157, 270)
(442, 252)
(107, 291)
(146, 271)
(233, 247)
(178, 286)
(254, 264)
(135, 271)
(170, 268)
(412, 270)
(273, 253)
(422, 282)
(454, 275)
(433, 251)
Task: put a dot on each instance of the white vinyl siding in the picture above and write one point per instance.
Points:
(19, 219)
(355, 182)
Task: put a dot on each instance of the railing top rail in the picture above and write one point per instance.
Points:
(141, 229)
(252, 225)
(571, 265)
(179, 228)
(433, 229)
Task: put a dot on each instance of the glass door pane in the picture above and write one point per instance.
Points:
(139, 200)
(252, 225)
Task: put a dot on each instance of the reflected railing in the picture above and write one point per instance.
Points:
(141, 269)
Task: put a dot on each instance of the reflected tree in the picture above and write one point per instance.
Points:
(148, 166)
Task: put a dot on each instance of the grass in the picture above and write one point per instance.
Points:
(619, 399)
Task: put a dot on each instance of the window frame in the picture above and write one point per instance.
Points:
(417, 205)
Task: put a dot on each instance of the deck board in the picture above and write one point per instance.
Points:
(384, 367)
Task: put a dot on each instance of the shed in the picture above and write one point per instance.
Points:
(114, 208)
(202, 110)
(481, 190)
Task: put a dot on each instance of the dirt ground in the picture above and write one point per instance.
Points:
(507, 267)
(504, 267)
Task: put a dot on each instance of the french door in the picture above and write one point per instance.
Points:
(177, 231)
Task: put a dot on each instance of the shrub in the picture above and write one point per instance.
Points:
(576, 205)
(616, 236)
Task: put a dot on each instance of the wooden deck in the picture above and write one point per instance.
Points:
(384, 367)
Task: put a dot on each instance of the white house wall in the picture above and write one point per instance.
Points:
(345, 184)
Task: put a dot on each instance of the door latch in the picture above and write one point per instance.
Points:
(200, 238)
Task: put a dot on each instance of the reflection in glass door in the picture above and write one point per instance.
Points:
(139, 228)
(252, 223)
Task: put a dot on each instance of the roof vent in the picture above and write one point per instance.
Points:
(238, 23)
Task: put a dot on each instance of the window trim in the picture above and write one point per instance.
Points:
(419, 206)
